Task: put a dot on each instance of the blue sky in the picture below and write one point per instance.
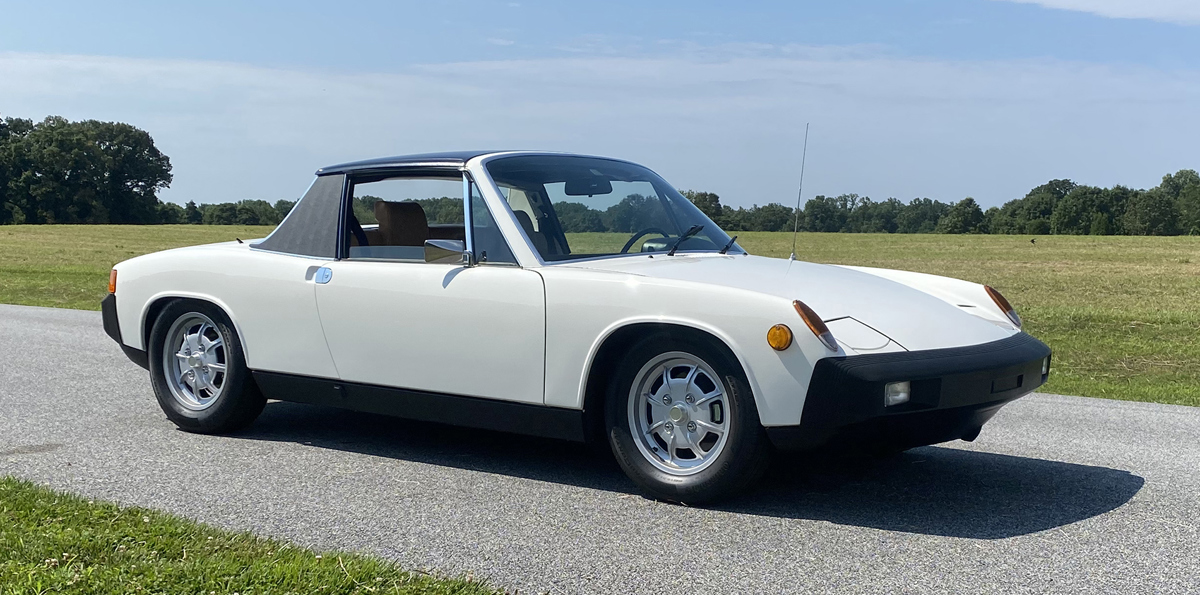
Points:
(907, 98)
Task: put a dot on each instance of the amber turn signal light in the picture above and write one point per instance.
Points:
(112, 281)
(816, 325)
(779, 337)
(1003, 305)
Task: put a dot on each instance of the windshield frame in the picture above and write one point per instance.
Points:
(495, 196)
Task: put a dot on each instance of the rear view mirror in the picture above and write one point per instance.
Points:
(587, 186)
(446, 251)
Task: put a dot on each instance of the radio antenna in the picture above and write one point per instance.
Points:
(799, 193)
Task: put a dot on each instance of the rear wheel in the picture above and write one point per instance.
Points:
(198, 369)
(682, 423)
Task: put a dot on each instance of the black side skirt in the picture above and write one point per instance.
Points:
(487, 414)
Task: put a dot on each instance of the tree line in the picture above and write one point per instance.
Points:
(58, 171)
(1056, 207)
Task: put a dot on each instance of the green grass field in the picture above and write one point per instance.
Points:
(56, 543)
(1122, 313)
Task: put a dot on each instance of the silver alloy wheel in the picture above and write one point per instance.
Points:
(678, 413)
(194, 361)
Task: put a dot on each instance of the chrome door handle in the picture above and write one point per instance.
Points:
(323, 275)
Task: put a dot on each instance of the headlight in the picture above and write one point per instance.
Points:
(1003, 305)
(816, 325)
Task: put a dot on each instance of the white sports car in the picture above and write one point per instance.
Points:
(458, 288)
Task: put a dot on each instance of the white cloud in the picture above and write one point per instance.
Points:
(1185, 12)
(729, 120)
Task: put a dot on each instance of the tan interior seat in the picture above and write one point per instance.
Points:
(539, 240)
(374, 238)
(401, 224)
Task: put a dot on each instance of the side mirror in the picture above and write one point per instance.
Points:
(447, 252)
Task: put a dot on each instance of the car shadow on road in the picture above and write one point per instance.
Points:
(932, 490)
(942, 491)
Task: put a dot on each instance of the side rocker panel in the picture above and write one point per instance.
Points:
(471, 412)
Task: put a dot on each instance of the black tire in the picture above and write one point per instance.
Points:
(746, 454)
(240, 401)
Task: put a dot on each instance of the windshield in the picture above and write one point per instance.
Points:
(584, 207)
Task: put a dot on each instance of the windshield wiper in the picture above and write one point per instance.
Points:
(728, 246)
(693, 230)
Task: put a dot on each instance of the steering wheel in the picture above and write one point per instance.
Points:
(637, 236)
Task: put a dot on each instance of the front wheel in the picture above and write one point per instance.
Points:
(198, 370)
(682, 422)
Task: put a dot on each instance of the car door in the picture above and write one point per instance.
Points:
(392, 319)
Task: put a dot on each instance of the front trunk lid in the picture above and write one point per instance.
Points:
(911, 318)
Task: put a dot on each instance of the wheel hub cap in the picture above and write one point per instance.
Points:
(194, 360)
(677, 413)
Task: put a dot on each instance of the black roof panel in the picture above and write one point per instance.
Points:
(447, 159)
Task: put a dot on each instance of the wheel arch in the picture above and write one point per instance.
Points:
(155, 305)
(606, 352)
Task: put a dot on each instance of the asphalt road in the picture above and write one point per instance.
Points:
(1059, 494)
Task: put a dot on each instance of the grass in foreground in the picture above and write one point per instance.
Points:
(55, 543)
(1122, 313)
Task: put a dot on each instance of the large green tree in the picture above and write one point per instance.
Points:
(86, 172)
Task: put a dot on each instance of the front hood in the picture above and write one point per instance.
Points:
(913, 319)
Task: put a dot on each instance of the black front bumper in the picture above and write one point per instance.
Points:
(108, 313)
(954, 392)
